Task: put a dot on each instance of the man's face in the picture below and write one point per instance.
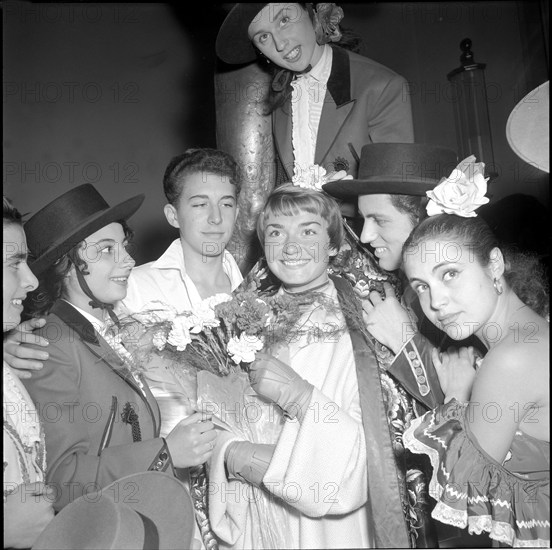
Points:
(385, 229)
(205, 213)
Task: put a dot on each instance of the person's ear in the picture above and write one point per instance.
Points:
(332, 251)
(171, 215)
(237, 212)
(496, 263)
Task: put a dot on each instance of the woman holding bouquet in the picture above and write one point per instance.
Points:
(100, 418)
(332, 464)
(489, 443)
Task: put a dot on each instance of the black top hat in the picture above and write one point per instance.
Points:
(233, 45)
(144, 510)
(68, 220)
(396, 169)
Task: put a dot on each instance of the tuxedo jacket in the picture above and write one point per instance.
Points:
(83, 395)
(365, 103)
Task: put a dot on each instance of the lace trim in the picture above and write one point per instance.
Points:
(498, 530)
(24, 420)
(417, 447)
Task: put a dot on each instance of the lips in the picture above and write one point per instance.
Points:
(121, 279)
(295, 263)
(448, 319)
(293, 55)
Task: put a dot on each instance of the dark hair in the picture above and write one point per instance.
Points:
(200, 160)
(11, 215)
(52, 280)
(281, 78)
(523, 272)
(412, 205)
(290, 200)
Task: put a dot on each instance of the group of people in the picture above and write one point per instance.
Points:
(468, 423)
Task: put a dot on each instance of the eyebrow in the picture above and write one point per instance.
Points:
(304, 224)
(207, 197)
(18, 256)
(276, 16)
(442, 264)
(107, 241)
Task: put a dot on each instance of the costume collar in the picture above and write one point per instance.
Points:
(78, 322)
(99, 326)
(339, 83)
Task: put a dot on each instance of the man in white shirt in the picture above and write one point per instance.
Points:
(201, 186)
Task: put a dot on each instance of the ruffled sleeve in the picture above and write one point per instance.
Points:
(472, 489)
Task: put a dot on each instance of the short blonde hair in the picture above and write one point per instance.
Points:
(290, 200)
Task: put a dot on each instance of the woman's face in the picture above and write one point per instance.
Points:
(108, 265)
(456, 292)
(285, 34)
(298, 249)
(18, 278)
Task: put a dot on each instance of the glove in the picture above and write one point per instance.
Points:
(280, 383)
(248, 462)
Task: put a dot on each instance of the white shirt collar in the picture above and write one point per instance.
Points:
(321, 71)
(173, 258)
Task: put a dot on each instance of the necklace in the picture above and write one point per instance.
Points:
(303, 292)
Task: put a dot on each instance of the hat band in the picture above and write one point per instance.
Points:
(151, 535)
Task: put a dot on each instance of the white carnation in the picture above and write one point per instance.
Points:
(242, 349)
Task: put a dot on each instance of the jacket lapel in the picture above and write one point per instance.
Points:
(281, 119)
(338, 104)
(100, 349)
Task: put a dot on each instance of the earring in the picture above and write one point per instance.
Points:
(498, 286)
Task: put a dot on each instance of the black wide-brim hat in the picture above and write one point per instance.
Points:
(148, 510)
(68, 220)
(233, 45)
(396, 169)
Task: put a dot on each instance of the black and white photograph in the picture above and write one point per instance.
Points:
(276, 275)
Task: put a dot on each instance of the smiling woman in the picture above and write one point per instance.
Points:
(80, 252)
(18, 279)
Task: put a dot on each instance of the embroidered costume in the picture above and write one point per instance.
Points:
(24, 450)
(510, 501)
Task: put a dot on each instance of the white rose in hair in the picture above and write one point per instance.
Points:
(462, 192)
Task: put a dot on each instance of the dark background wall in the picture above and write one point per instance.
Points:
(108, 93)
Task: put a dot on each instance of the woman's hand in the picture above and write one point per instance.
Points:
(192, 440)
(278, 382)
(456, 371)
(21, 357)
(27, 512)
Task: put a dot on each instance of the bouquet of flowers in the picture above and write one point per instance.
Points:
(208, 350)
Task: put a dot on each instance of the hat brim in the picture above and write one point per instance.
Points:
(527, 129)
(350, 189)
(150, 500)
(162, 501)
(62, 245)
(233, 45)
